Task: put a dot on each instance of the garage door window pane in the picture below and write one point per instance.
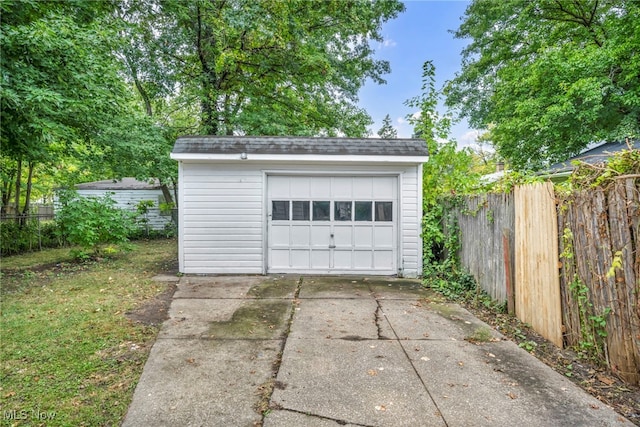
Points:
(363, 211)
(384, 211)
(321, 211)
(280, 210)
(300, 211)
(342, 211)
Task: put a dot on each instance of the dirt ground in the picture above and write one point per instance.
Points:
(595, 380)
(156, 310)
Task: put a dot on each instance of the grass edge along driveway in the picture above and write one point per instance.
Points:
(69, 353)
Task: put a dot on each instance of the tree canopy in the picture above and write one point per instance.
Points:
(268, 67)
(86, 85)
(387, 131)
(59, 83)
(449, 169)
(549, 76)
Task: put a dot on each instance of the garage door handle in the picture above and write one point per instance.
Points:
(332, 246)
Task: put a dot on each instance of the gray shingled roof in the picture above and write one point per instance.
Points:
(300, 145)
(598, 154)
(123, 184)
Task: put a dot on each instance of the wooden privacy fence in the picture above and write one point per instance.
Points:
(537, 285)
(486, 242)
(600, 272)
(573, 264)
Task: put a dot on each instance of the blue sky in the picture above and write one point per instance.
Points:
(420, 33)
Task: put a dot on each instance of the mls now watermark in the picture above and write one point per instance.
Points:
(32, 414)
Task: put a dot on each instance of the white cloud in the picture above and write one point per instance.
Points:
(389, 43)
(468, 139)
(405, 130)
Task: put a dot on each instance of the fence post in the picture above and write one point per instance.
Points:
(506, 256)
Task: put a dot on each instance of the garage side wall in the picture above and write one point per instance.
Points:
(411, 227)
(220, 219)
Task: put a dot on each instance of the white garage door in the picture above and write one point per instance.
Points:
(332, 224)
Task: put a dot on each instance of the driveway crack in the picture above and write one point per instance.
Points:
(397, 338)
(379, 315)
(322, 417)
(263, 406)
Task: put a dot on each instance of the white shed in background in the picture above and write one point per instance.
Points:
(258, 205)
(128, 193)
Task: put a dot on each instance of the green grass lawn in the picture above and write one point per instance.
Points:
(68, 351)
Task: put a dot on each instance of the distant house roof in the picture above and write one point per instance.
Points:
(289, 145)
(595, 155)
(123, 184)
(492, 177)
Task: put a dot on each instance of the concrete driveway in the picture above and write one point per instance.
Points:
(333, 351)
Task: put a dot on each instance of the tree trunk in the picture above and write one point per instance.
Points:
(27, 202)
(167, 194)
(208, 98)
(136, 81)
(18, 183)
(209, 122)
(175, 191)
(7, 189)
(144, 95)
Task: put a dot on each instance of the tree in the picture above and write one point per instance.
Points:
(387, 131)
(200, 66)
(551, 76)
(449, 169)
(267, 67)
(60, 86)
(448, 172)
(67, 110)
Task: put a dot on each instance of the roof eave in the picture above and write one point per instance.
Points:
(313, 158)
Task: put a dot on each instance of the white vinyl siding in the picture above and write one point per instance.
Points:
(129, 199)
(223, 212)
(411, 228)
(221, 226)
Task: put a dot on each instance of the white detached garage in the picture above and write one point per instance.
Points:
(257, 205)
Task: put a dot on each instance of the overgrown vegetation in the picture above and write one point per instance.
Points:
(591, 344)
(448, 174)
(592, 316)
(94, 224)
(588, 338)
(586, 175)
(91, 226)
(68, 348)
(28, 235)
(442, 269)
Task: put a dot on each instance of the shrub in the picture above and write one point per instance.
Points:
(30, 234)
(95, 224)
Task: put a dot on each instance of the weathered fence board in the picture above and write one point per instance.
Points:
(570, 309)
(597, 234)
(600, 279)
(537, 285)
(484, 222)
